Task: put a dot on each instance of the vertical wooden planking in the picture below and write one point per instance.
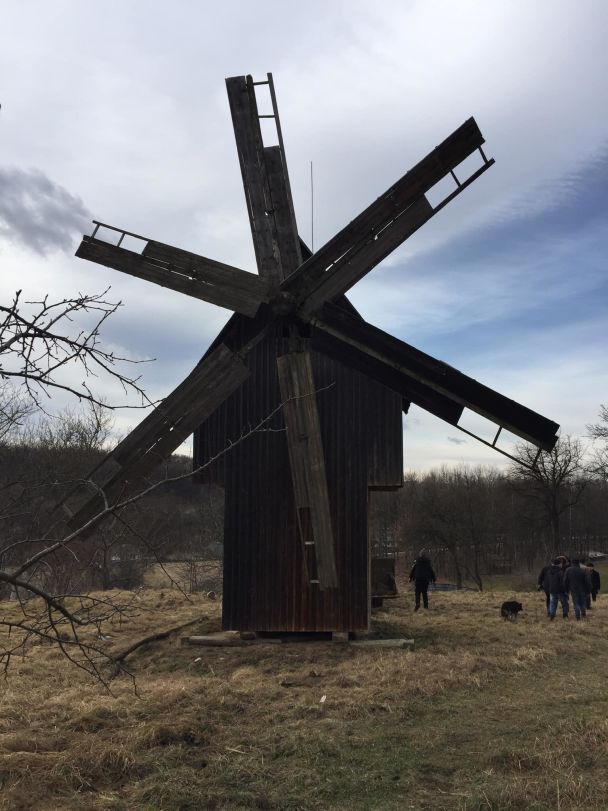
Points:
(385, 446)
(265, 583)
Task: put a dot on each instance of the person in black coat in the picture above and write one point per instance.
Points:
(587, 569)
(577, 583)
(543, 585)
(553, 582)
(595, 580)
(422, 574)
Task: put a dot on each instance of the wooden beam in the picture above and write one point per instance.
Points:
(286, 232)
(307, 461)
(159, 434)
(395, 201)
(413, 391)
(382, 643)
(207, 270)
(250, 148)
(266, 183)
(347, 271)
(210, 281)
(442, 378)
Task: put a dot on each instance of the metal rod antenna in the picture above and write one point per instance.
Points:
(312, 211)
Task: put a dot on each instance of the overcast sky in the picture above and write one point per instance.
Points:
(118, 112)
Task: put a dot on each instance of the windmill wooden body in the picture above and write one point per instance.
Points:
(332, 385)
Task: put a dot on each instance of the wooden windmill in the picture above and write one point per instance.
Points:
(295, 536)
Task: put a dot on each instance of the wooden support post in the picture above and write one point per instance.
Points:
(307, 460)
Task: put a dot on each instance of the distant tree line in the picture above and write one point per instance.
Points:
(477, 522)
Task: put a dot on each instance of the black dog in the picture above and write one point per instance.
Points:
(510, 609)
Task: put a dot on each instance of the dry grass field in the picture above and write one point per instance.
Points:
(483, 714)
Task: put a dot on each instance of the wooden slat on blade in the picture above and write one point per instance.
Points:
(439, 376)
(248, 135)
(286, 232)
(415, 183)
(206, 269)
(209, 286)
(306, 457)
(162, 431)
(348, 270)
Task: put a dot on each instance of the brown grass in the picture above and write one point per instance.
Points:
(483, 714)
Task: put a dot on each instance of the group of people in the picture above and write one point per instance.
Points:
(563, 577)
(560, 579)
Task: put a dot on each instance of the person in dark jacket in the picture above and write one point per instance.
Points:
(586, 568)
(542, 585)
(577, 584)
(422, 574)
(553, 582)
(595, 580)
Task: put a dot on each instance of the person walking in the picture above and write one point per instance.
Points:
(595, 580)
(576, 583)
(587, 570)
(422, 574)
(543, 584)
(553, 582)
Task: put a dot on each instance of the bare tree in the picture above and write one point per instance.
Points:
(42, 341)
(15, 407)
(599, 433)
(434, 525)
(553, 485)
(86, 430)
(73, 620)
(459, 514)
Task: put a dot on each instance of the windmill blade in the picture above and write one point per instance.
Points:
(179, 270)
(214, 379)
(307, 461)
(412, 391)
(397, 364)
(265, 181)
(425, 397)
(385, 224)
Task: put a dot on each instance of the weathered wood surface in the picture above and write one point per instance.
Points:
(223, 641)
(307, 461)
(160, 433)
(383, 581)
(205, 269)
(250, 148)
(266, 586)
(177, 270)
(405, 359)
(266, 184)
(382, 643)
(286, 232)
(413, 185)
(347, 270)
(412, 390)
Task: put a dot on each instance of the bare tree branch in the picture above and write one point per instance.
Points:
(57, 620)
(41, 340)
